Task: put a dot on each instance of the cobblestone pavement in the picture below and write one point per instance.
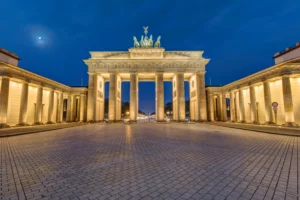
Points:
(150, 161)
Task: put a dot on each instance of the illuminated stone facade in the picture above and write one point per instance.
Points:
(146, 64)
(249, 100)
(27, 98)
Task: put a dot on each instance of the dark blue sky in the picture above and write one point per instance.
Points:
(240, 37)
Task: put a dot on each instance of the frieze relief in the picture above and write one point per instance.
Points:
(146, 55)
(120, 66)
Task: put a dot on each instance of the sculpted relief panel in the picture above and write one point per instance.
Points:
(154, 66)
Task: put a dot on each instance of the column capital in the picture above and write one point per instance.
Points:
(6, 77)
(24, 81)
(201, 73)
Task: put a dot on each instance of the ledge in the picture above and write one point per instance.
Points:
(273, 129)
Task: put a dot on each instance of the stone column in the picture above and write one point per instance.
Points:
(101, 97)
(75, 109)
(82, 108)
(253, 105)
(69, 108)
(23, 104)
(39, 106)
(60, 107)
(215, 108)
(268, 103)
(219, 107)
(91, 105)
(118, 98)
(288, 101)
(202, 96)
(241, 106)
(133, 97)
(232, 107)
(160, 107)
(4, 94)
(50, 108)
(95, 96)
(181, 97)
(211, 108)
(224, 108)
(112, 98)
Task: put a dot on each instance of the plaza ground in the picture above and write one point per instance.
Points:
(150, 161)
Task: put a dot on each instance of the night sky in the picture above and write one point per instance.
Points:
(240, 37)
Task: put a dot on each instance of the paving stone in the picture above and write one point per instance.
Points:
(149, 161)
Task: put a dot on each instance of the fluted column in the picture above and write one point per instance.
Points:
(181, 97)
(50, 108)
(241, 106)
(253, 105)
(69, 108)
(112, 98)
(95, 96)
(23, 104)
(160, 97)
(82, 108)
(39, 106)
(211, 108)
(91, 105)
(4, 94)
(232, 107)
(202, 96)
(224, 108)
(215, 108)
(75, 109)
(133, 97)
(219, 107)
(60, 107)
(288, 101)
(268, 103)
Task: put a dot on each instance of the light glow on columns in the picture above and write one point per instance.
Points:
(13, 84)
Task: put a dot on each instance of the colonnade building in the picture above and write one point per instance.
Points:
(27, 98)
(249, 100)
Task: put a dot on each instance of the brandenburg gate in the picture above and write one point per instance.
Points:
(146, 61)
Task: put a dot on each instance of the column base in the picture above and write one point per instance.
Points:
(132, 121)
(161, 121)
(256, 122)
(50, 122)
(38, 123)
(242, 121)
(290, 124)
(269, 123)
(4, 126)
(182, 121)
(114, 121)
(23, 124)
(200, 121)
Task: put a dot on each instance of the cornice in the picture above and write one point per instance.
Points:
(286, 68)
(32, 78)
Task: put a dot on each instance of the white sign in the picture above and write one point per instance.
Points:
(275, 104)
